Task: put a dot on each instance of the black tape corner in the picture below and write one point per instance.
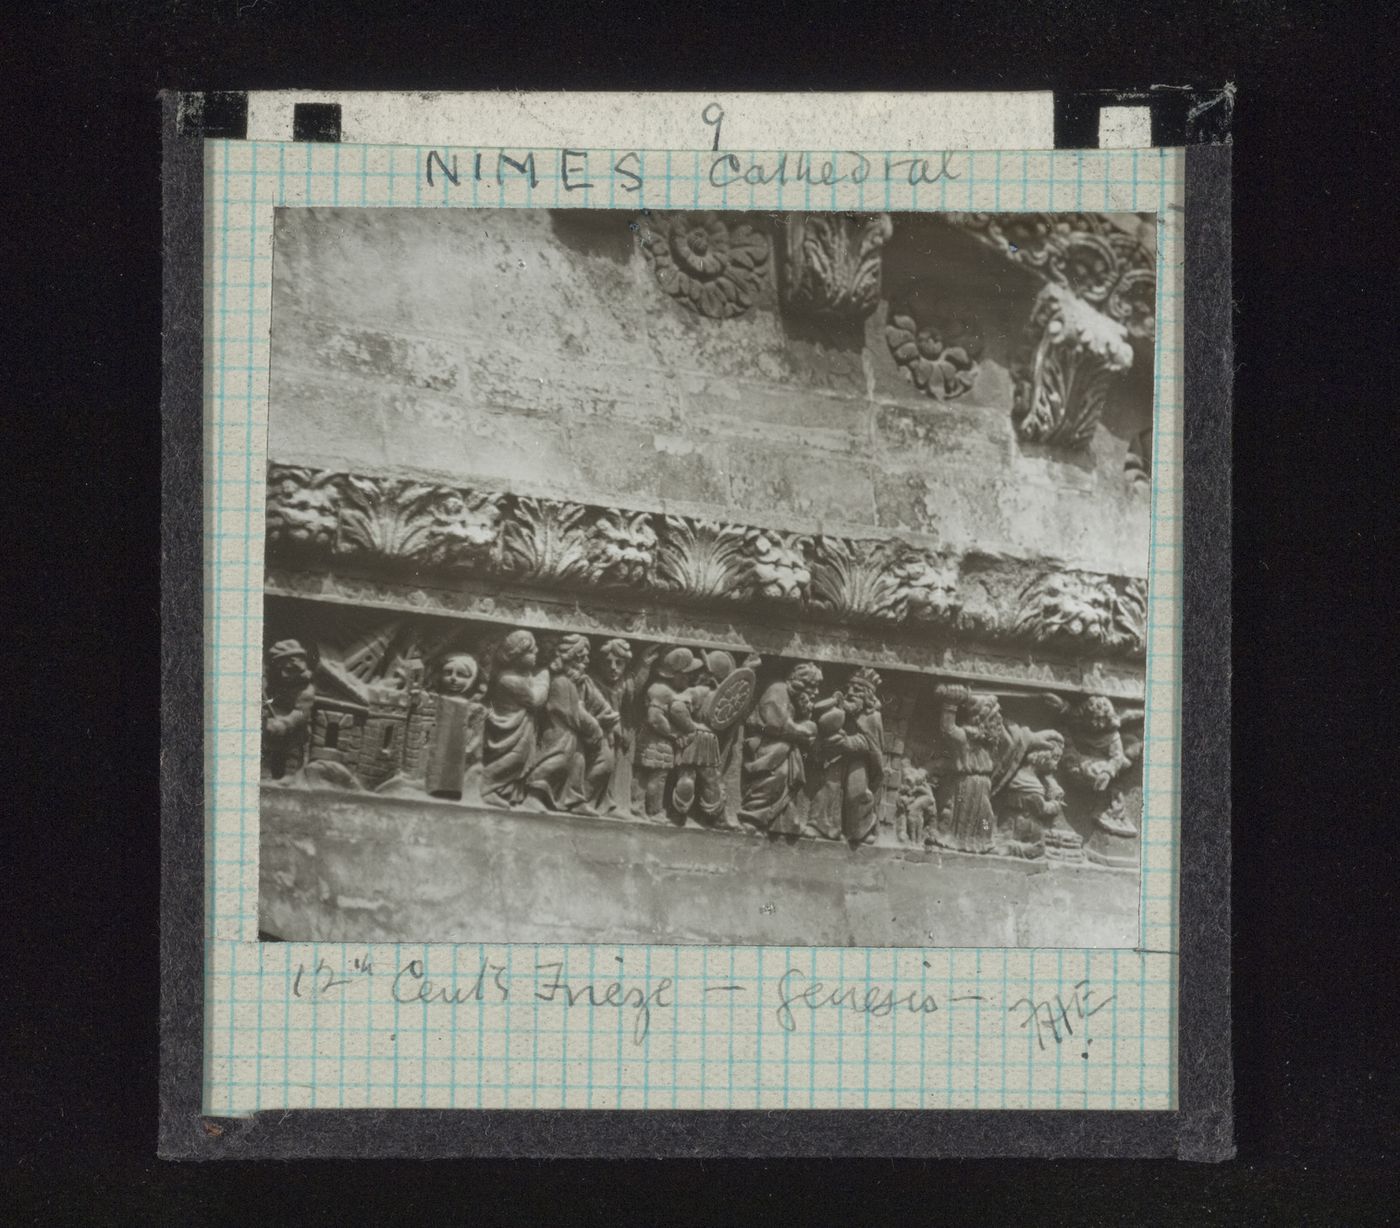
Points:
(1180, 115)
(316, 121)
(221, 114)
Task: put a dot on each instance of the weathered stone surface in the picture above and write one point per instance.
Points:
(520, 347)
(343, 869)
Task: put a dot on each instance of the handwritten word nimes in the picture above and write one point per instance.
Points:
(575, 166)
(791, 1000)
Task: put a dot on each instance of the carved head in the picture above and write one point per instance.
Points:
(980, 715)
(517, 651)
(718, 666)
(803, 680)
(1096, 714)
(931, 587)
(613, 659)
(623, 548)
(1067, 606)
(778, 566)
(458, 674)
(286, 665)
(863, 691)
(300, 513)
(1046, 758)
(570, 657)
(679, 666)
(463, 528)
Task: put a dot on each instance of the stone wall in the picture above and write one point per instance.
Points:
(536, 351)
(401, 870)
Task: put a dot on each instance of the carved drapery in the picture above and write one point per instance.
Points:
(832, 263)
(1065, 373)
(317, 518)
(655, 731)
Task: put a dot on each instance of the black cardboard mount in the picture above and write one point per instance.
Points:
(1199, 1129)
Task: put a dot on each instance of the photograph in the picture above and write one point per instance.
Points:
(667, 577)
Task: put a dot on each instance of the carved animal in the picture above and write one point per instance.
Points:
(622, 549)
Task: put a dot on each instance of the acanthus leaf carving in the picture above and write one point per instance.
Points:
(884, 582)
(1069, 608)
(430, 526)
(833, 263)
(699, 559)
(706, 263)
(1064, 377)
(314, 515)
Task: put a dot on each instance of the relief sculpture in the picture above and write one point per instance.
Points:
(607, 727)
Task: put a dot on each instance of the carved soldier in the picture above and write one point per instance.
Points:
(783, 730)
(661, 730)
(287, 706)
(516, 691)
(969, 729)
(850, 758)
(574, 755)
(701, 759)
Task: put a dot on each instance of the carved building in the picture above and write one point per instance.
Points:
(812, 530)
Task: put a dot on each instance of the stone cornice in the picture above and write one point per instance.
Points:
(1084, 252)
(321, 519)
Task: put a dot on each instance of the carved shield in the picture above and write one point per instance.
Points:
(731, 700)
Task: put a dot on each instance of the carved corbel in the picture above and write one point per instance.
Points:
(1072, 354)
(832, 266)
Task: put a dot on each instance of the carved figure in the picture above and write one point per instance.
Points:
(515, 693)
(574, 756)
(1032, 799)
(665, 723)
(697, 785)
(851, 762)
(615, 683)
(286, 715)
(704, 263)
(970, 728)
(773, 773)
(1096, 759)
(454, 758)
(915, 808)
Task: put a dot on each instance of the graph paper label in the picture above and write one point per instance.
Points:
(495, 1005)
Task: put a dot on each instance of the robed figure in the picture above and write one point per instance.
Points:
(782, 731)
(850, 757)
(574, 757)
(516, 691)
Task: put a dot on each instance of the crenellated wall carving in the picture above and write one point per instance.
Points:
(316, 518)
(656, 732)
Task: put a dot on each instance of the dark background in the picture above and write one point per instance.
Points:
(1315, 266)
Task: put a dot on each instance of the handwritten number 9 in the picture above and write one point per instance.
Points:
(714, 114)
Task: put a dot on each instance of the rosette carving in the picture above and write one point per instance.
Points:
(940, 357)
(713, 267)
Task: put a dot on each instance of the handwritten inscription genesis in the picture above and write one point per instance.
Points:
(793, 1000)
